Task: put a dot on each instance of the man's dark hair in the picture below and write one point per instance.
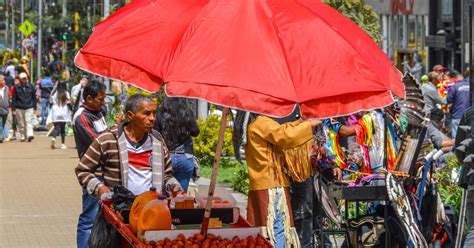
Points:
(46, 73)
(436, 114)
(453, 74)
(133, 102)
(92, 89)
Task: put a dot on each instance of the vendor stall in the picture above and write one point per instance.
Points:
(266, 57)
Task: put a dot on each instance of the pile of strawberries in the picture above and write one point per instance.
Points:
(211, 241)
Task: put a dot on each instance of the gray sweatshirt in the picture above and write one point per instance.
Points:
(4, 100)
(431, 97)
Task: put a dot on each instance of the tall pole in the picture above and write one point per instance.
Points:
(6, 23)
(106, 14)
(13, 25)
(40, 36)
(64, 8)
(22, 19)
(106, 8)
(93, 8)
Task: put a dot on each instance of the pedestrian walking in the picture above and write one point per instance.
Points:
(14, 122)
(417, 70)
(89, 122)
(24, 105)
(4, 105)
(459, 100)
(77, 94)
(46, 87)
(8, 79)
(177, 123)
(11, 69)
(59, 115)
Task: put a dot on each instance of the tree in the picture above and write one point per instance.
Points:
(361, 14)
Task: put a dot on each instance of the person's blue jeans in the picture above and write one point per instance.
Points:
(90, 207)
(44, 110)
(279, 225)
(183, 166)
(3, 120)
(6, 132)
(454, 127)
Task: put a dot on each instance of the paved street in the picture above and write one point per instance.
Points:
(40, 197)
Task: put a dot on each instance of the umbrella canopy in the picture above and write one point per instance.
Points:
(263, 56)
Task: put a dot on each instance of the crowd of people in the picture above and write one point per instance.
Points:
(151, 146)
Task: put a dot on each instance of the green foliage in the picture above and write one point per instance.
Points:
(450, 192)
(227, 169)
(7, 55)
(240, 180)
(361, 14)
(157, 96)
(206, 142)
(230, 171)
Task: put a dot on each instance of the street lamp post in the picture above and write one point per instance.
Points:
(13, 24)
(22, 19)
(40, 36)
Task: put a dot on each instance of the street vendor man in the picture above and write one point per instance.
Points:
(269, 146)
(131, 154)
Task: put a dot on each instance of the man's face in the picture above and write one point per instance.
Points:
(2, 82)
(23, 80)
(83, 82)
(97, 102)
(145, 116)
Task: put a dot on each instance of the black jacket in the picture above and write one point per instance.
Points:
(88, 124)
(24, 96)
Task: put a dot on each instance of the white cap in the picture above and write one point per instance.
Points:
(23, 75)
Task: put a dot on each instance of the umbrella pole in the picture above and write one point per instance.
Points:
(215, 167)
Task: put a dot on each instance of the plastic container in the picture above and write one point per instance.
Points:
(179, 201)
(155, 216)
(189, 202)
(138, 205)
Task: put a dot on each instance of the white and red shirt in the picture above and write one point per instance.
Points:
(139, 165)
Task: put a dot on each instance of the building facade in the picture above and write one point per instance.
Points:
(404, 26)
(438, 30)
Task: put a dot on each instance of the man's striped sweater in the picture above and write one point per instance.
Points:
(109, 151)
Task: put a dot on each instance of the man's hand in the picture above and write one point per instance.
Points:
(314, 122)
(102, 190)
(337, 172)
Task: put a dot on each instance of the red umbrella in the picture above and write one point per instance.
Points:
(263, 56)
(256, 55)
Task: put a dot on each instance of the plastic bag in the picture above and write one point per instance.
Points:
(103, 234)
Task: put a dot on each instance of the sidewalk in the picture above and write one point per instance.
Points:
(40, 198)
